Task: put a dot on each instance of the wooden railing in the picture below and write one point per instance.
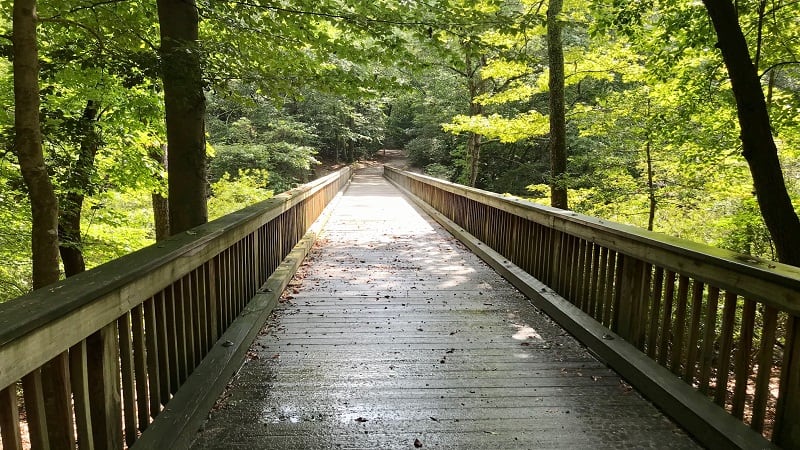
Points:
(92, 361)
(727, 324)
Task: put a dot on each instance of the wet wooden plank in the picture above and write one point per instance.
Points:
(455, 357)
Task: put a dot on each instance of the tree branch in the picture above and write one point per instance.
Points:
(81, 8)
(69, 22)
(776, 65)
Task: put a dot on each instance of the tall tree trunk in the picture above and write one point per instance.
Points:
(558, 127)
(475, 86)
(648, 154)
(185, 106)
(44, 204)
(756, 133)
(28, 145)
(160, 203)
(71, 203)
(651, 187)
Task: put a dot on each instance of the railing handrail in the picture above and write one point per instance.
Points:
(51, 319)
(773, 283)
(690, 325)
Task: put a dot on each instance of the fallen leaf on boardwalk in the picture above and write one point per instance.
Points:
(361, 420)
(596, 378)
(434, 419)
(417, 443)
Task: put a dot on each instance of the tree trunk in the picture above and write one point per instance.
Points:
(475, 85)
(71, 203)
(651, 187)
(558, 127)
(474, 154)
(756, 133)
(160, 203)
(28, 145)
(185, 106)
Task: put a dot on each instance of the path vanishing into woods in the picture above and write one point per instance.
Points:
(394, 335)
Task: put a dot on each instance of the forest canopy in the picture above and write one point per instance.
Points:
(644, 113)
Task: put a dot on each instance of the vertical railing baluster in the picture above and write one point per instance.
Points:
(58, 401)
(694, 332)
(35, 410)
(709, 334)
(787, 412)
(128, 379)
(742, 361)
(666, 319)
(725, 348)
(104, 387)
(608, 292)
(765, 352)
(212, 286)
(188, 300)
(9, 419)
(679, 330)
(79, 381)
(616, 292)
(655, 311)
(140, 366)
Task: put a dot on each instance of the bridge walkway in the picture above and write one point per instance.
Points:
(394, 335)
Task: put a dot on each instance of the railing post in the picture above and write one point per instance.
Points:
(58, 402)
(79, 380)
(104, 387)
(35, 409)
(213, 301)
(787, 423)
(9, 420)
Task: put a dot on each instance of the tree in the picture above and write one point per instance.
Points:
(28, 145)
(758, 144)
(185, 108)
(71, 201)
(558, 127)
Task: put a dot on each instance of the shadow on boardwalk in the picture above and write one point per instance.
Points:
(393, 335)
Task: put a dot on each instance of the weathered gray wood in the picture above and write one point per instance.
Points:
(655, 310)
(34, 329)
(177, 425)
(679, 328)
(707, 353)
(104, 387)
(128, 379)
(58, 402)
(764, 369)
(35, 410)
(708, 423)
(773, 283)
(726, 347)
(140, 367)
(742, 361)
(426, 359)
(79, 380)
(9, 419)
(163, 351)
(694, 332)
(787, 424)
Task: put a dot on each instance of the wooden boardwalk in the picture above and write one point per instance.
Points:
(393, 335)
